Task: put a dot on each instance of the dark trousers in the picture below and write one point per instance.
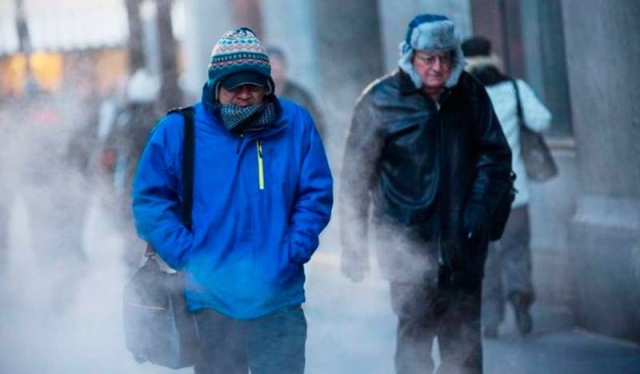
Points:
(508, 267)
(274, 344)
(450, 313)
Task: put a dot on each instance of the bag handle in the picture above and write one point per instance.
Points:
(518, 103)
(188, 161)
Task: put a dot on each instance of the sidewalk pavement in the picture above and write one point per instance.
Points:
(352, 330)
(351, 326)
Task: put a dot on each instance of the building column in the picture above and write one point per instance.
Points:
(550, 207)
(349, 56)
(135, 42)
(247, 13)
(499, 20)
(294, 33)
(205, 22)
(170, 94)
(602, 54)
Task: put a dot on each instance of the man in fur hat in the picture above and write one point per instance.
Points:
(426, 152)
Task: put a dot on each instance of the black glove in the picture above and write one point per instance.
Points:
(476, 221)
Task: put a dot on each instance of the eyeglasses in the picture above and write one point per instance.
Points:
(430, 59)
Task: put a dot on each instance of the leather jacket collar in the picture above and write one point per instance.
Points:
(407, 88)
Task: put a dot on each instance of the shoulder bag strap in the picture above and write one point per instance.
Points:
(518, 104)
(188, 157)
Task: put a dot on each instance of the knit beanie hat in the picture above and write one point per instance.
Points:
(431, 33)
(239, 58)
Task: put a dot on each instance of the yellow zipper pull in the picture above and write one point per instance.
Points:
(260, 166)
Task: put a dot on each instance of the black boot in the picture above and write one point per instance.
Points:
(521, 302)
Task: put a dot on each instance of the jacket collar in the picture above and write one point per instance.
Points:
(406, 84)
(407, 87)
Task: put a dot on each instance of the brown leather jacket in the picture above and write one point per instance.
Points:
(419, 165)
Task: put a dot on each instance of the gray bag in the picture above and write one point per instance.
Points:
(157, 324)
(538, 161)
(158, 327)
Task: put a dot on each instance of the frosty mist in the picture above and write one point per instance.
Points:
(62, 307)
(63, 266)
(64, 272)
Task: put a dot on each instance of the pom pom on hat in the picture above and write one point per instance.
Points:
(239, 56)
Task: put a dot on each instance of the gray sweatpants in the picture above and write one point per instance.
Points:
(508, 267)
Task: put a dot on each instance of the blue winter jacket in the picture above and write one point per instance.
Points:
(260, 202)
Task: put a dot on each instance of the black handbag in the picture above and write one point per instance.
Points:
(158, 327)
(538, 161)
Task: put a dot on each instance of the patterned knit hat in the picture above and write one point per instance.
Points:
(240, 54)
(431, 33)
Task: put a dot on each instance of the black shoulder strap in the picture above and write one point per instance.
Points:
(518, 104)
(188, 156)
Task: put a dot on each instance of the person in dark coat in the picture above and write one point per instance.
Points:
(287, 89)
(425, 166)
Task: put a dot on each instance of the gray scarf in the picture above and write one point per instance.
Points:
(237, 118)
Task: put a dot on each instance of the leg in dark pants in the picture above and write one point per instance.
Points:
(459, 333)
(516, 257)
(415, 307)
(508, 271)
(277, 343)
(492, 291)
(517, 268)
(223, 344)
(274, 344)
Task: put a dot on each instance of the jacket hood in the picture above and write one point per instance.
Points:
(479, 62)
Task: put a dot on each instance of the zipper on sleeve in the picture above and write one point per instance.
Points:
(260, 165)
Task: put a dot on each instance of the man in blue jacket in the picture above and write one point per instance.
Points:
(262, 195)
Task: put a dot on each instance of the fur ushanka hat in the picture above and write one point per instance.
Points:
(431, 33)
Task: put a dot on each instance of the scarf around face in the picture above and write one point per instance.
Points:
(238, 118)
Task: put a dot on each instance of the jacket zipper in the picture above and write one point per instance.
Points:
(439, 195)
(260, 165)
